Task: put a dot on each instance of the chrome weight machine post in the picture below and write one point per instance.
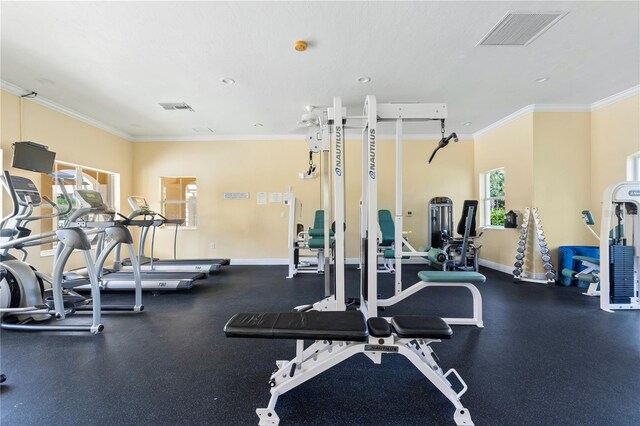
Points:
(327, 221)
(371, 206)
(398, 245)
(338, 155)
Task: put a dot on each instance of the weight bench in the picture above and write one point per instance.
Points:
(446, 279)
(338, 335)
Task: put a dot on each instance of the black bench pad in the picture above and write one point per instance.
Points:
(379, 327)
(419, 326)
(312, 325)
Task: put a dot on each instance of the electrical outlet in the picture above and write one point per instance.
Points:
(409, 214)
(212, 245)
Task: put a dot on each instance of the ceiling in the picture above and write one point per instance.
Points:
(115, 61)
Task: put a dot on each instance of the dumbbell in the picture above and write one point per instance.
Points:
(550, 275)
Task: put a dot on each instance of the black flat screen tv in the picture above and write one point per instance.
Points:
(33, 157)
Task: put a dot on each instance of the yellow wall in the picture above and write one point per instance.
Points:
(615, 134)
(242, 229)
(72, 140)
(560, 162)
(561, 158)
(509, 146)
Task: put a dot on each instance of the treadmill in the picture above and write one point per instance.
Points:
(141, 208)
(91, 204)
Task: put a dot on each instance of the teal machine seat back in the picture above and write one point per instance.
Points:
(316, 234)
(387, 228)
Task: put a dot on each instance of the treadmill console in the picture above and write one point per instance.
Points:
(138, 203)
(26, 190)
(91, 199)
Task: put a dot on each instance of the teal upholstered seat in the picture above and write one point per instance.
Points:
(451, 277)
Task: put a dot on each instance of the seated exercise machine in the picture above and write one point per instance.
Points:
(386, 246)
(619, 253)
(462, 253)
(141, 208)
(301, 240)
(589, 271)
(339, 334)
(440, 221)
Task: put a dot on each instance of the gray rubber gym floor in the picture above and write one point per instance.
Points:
(547, 356)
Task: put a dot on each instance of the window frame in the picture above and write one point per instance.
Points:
(486, 199)
(633, 167)
(164, 202)
(112, 191)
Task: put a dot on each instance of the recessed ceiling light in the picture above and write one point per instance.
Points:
(363, 79)
(227, 80)
(468, 123)
(541, 79)
(257, 124)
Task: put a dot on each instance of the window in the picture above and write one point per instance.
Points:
(179, 196)
(76, 177)
(492, 190)
(633, 167)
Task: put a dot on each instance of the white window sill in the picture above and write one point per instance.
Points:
(172, 228)
(493, 227)
(52, 252)
(47, 253)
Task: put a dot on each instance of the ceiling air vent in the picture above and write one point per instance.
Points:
(520, 28)
(173, 106)
(202, 129)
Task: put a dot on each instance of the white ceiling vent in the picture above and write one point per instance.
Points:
(173, 106)
(202, 129)
(520, 28)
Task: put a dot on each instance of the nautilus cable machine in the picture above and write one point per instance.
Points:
(340, 334)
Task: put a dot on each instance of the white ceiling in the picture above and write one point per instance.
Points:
(114, 61)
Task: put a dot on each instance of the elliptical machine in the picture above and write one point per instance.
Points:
(24, 302)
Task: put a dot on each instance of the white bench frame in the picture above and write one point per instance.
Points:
(475, 319)
(324, 354)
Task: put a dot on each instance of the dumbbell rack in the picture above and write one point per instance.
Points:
(521, 251)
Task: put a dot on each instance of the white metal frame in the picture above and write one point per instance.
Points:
(323, 355)
(616, 193)
(298, 241)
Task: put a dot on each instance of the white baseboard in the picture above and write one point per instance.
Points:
(509, 269)
(276, 261)
(273, 261)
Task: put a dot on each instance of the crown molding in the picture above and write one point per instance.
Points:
(19, 91)
(215, 138)
(561, 108)
(509, 118)
(632, 91)
(635, 90)
(222, 138)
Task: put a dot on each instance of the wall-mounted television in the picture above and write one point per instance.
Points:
(33, 157)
